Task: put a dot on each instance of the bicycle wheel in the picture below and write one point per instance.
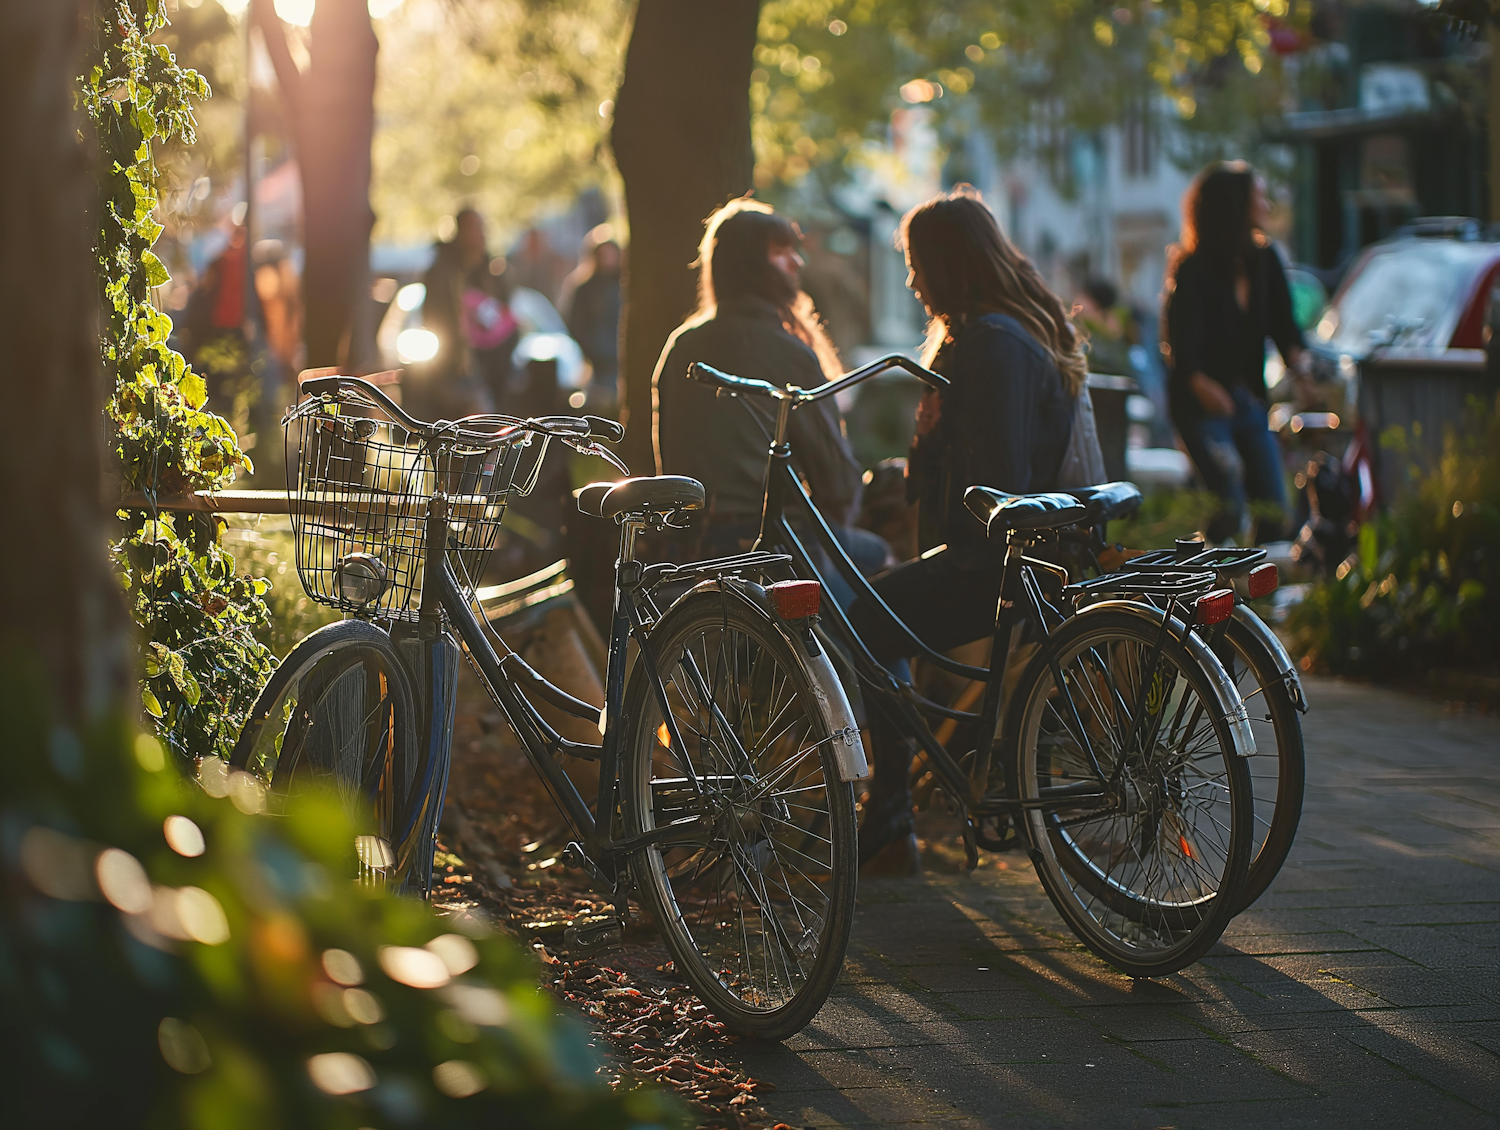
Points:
(1278, 769)
(339, 712)
(756, 910)
(1149, 874)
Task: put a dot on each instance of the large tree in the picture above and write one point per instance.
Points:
(331, 108)
(60, 610)
(682, 143)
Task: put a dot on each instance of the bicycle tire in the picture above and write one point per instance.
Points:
(1116, 907)
(340, 711)
(1278, 733)
(762, 860)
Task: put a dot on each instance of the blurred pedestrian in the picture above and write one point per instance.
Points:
(590, 302)
(1015, 415)
(450, 385)
(1226, 293)
(536, 266)
(753, 320)
(1109, 325)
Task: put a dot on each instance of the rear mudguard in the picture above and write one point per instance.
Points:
(1227, 697)
(1286, 670)
(843, 728)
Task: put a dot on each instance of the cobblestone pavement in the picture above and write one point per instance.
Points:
(1363, 989)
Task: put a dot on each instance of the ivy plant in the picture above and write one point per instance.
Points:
(203, 665)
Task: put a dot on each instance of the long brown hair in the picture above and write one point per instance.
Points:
(1216, 221)
(734, 261)
(970, 268)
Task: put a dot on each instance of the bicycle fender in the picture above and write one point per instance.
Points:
(843, 728)
(1227, 697)
(1286, 670)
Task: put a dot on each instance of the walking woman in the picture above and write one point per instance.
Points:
(1015, 416)
(1226, 293)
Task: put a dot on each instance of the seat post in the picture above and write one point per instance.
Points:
(629, 529)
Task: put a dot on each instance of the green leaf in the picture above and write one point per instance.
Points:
(156, 272)
(194, 389)
(148, 700)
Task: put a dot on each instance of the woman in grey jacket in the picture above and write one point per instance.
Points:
(753, 321)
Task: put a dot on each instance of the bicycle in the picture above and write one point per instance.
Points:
(727, 745)
(1121, 752)
(1267, 680)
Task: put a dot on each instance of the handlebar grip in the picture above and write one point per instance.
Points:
(726, 382)
(317, 386)
(608, 430)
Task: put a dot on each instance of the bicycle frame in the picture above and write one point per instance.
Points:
(1020, 600)
(599, 851)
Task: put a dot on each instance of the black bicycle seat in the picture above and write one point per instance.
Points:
(1109, 501)
(1000, 511)
(657, 494)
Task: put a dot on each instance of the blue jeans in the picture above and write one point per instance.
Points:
(1238, 459)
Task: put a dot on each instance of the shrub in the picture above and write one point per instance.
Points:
(171, 958)
(1422, 590)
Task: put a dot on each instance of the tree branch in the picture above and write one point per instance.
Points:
(288, 77)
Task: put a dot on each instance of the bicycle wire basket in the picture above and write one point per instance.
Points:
(359, 485)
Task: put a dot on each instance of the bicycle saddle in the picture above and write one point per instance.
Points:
(1108, 501)
(656, 494)
(1000, 511)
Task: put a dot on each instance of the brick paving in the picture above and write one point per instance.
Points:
(1363, 989)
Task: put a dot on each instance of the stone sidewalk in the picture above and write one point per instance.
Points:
(1363, 989)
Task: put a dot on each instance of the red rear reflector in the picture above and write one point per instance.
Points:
(1263, 580)
(796, 599)
(1215, 607)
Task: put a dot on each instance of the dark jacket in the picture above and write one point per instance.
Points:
(1207, 332)
(723, 442)
(1005, 422)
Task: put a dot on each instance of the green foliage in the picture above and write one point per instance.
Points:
(1029, 72)
(1163, 517)
(523, 86)
(203, 664)
(1422, 590)
(170, 958)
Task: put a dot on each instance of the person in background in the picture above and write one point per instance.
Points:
(590, 303)
(1015, 415)
(754, 321)
(535, 265)
(1226, 293)
(1109, 325)
(452, 387)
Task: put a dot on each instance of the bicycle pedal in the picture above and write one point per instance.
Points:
(593, 936)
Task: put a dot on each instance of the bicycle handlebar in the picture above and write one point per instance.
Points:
(748, 386)
(561, 427)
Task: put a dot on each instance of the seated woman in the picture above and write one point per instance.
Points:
(753, 320)
(1016, 369)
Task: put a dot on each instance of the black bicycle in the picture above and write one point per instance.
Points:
(1265, 676)
(1121, 751)
(728, 746)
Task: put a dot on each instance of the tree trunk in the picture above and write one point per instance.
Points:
(332, 111)
(60, 609)
(682, 143)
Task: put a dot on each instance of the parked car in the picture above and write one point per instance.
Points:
(1426, 288)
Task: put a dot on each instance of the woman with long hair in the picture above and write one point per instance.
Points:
(1226, 292)
(1015, 415)
(752, 320)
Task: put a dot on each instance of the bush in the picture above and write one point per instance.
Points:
(171, 958)
(1422, 590)
(1163, 517)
